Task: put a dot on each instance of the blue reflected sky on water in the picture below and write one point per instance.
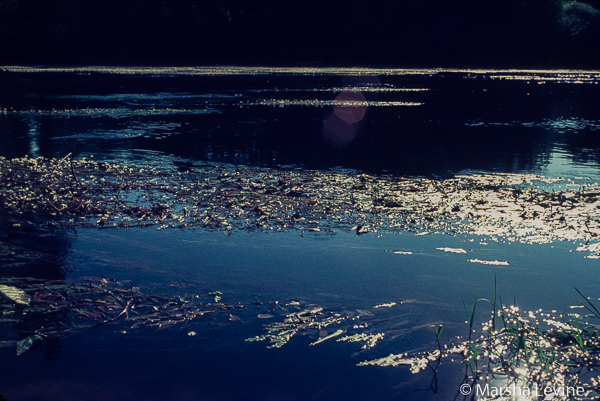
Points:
(401, 122)
(343, 268)
(340, 272)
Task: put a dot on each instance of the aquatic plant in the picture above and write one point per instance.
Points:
(526, 350)
(85, 193)
(35, 309)
(514, 353)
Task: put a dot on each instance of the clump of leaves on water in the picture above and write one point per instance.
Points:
(84, 193)
(35, 309)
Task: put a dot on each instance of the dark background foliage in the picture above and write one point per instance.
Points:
(400, 33)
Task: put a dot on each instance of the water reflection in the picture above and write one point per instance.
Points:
(354, 118)
(33, 134)
(342, 126)
(35, 248)
(34, 251)
(404, 122)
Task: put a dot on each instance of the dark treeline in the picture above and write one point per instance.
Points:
(452, 33)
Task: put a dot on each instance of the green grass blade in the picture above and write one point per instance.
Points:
(594, 310)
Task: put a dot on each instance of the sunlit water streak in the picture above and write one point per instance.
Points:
(563, 75)
(98, 112)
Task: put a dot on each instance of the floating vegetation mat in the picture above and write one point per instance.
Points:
(362, 326)
(33, 309)
(533, 355)
(520, 355)
(529, 351)
(84, 193)
(537, 355)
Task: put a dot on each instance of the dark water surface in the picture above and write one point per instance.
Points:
(405, 122)
(401, 122)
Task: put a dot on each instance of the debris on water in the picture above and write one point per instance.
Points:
(416, 364)
(594, 248)
(386, 305)
(362, 229)
(26, 343)
(330, 336)
(59, 308)
(403, 252)
(370, 339)
(15, 295)
(85, 193)
(390, 360)
(279, 333)
(216, 295)
(452, 250)
(489, 262)
(359, 326)
(234, 318)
